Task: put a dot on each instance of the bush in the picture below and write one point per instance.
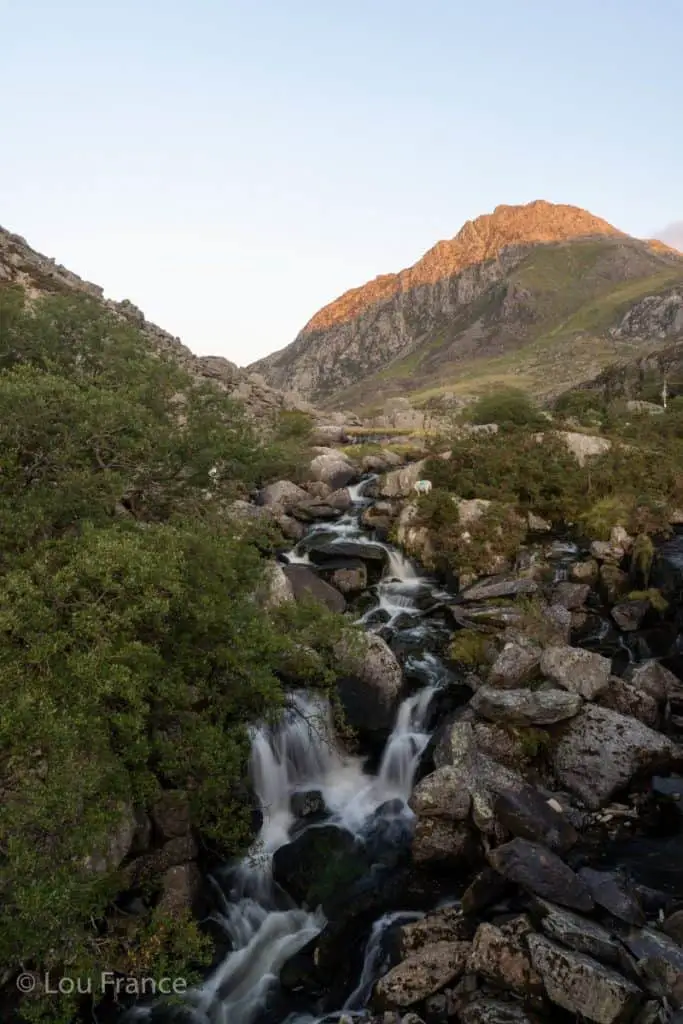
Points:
(510, 407)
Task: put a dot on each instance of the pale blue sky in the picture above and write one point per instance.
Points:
(232, 166)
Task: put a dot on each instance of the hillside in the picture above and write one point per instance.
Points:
(40, 275)
(525, 295)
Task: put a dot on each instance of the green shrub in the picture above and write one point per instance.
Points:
(509, 407)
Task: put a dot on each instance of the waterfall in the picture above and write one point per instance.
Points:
(374, 962)
(400, 567)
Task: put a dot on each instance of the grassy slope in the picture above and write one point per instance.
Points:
(576, 296)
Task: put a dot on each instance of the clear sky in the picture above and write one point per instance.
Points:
(232, 165)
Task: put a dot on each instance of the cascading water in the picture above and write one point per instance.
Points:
(263, 926)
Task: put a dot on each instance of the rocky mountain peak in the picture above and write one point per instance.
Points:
(477, 241)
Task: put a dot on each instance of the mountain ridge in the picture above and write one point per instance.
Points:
(477, 296)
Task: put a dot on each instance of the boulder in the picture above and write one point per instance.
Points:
(370, 683)
(306, 585)
(276, 588)
(541, 872)
(400, 482)
(315, 510)
(629, 615)
(648, 944)
(614, 582)
(442, 794)
(340, 499)
(317, 489)
(584, 446)
(500, 955)
(366, 552)
(351, 578)
(329, 434)
(448, 924)
(613, 894)
(421, 975)
(486, 889)
(333, 468)
(439, 843)
(600, 752)
(291, 528)
(571, 595)
(606, 551)
(527, 814)
(179, 888)
(537, 524)
(581, 985)
(486, 590)
(627, 699)
(117, 845)
(308, 803)
(578, 933)
(585, 571)
(517, 663)
(525, 707)
(316, 854)
(283, 494)
(577, 670)
(491, 1011)
(652, 678)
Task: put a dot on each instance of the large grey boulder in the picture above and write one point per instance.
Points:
(516, 663)
(571, 595)
(601, 751)
(333, 468)
(442, 794)
(306, 586)
(613, 894)
(283, 494)
(541, 872)
(578, 933)
(581, 985)
(421, 975)
(579, 671)
(627, 699)
(370, 682)
(400, 482)
(439, 842)
(527, 814)
(276, 588)
(525, 707)
(497, 587)
(651, 677)
(448, 924)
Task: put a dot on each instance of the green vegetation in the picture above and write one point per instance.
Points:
(657, 600)
(470, 647)
(510, 407)
(133, 654)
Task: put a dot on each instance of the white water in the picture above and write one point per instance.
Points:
(374, 960)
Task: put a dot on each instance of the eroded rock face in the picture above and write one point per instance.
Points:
(421, 975)
(541, 872)
(600, 752)
(525, 707)
(579, 671)
(582, 985)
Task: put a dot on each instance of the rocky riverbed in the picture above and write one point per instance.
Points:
(501, 843)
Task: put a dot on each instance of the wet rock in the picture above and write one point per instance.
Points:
(283, 494)
(571, 595)
(517, 663)
(351, 579)
(584, 572)
(629, 615)
(442, 794)
(365, 552)
(667, 569)
(446, 925)
(485, 889)
(171, 814)
(613, 582)
(629, 700)
(648, 944)
(577, 670)
(492, 1011)
(421, 975)
(314, 511)
(578, 933)
(651, 677)
(600, 752)
(541, 872)
(612, 893)
(370, 683)
(525, 707)
(334, 469)
(442, 843)
(581, 985)
(291, 528)
(316, 860)
(528, 815)
(488, 589)
(307, 585)
(501, 956)
(308, 803)
(340, 499)
(401, 482)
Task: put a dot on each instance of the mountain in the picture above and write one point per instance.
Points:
(673, 235)
(38, 274)
(526, 295)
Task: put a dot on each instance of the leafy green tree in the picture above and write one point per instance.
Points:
(508, 407)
